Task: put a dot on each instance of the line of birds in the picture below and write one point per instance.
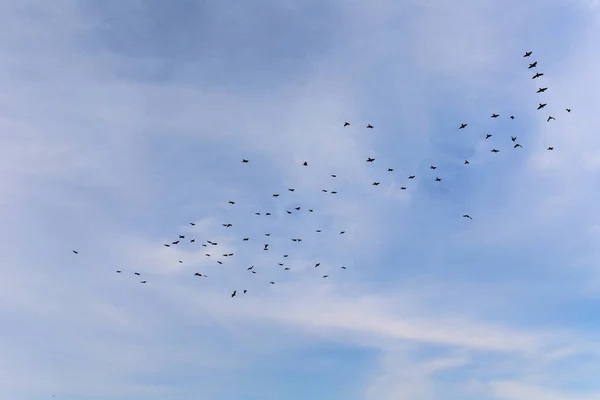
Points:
(293, 210)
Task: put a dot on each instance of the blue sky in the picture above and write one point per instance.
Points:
(123, 121)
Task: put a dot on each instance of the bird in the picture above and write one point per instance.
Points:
(289, 212)
(317, 264)
(266, 247)
(193, 241)
(245, 290)
(517, 145)
(369, 126)
(268, 213)
(325, 276)
(438, 179)
(285, 255)
(495, 115)
(512, 117)
(466, 162)
(286, 269)
(533, 65)
(232, 202)
(527, 54)
(463, 126)
(272, 283)
(199, 274)
(537, 75)
(244, 160)
(403, 188)
(541, 106)
(136, 273)
(175, 242)
(180, 262)
(390, 169)
(346, 123)
(305, 164)
(495, 151)
(324, 190)
(513, 138)
(233, 294)
(487, 136)
(74, 251)
(298, 208)
(342, 232)
(334, 192)
(370, 159)
(411, 177)
(118, 272)
(550, 148)
(542, 90)
(250, 268)
(333, 175)
(267, 234)
(257, 213)
(220, 262)
(343, 267)
(192, 224)
(310, 210)
(167, 245)
(245, 239)
(291, 189)
(318, 230)
(275, 194)
(467, 216)
(433, 167)
(568, 109)
(143, 281)
(375, 183)
(227, 225)
(549, 118)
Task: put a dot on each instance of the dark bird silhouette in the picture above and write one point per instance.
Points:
(286, 269)
(227, 225)
(233, 294)
(207, 255)
(325, 276)
(342, 232)
(272, 283)
(402, 187)
(411, 177)
(488, 136)
(438, 179)
(541, 106)
(245, 239)
(334, 192)
(250, 268)
(463, 126)
(527, 54)
(533, 65)
(310, 210)
(318, 230)
(267, 234)
(390, 169)
(289, 212)
(512, 117)
(305, 164)
(167, 245)
(537, 75)
(136, 273)
(175, 242)
(550, 148)
(370, 159)
(143, 281)
(267, 213)
(298, 208)
(219, 262)
(517, 145)
(180, 262)
(118, 272)
(343, 267)
(285, 255)
(433, 167)
(375, 183)
(495, 150)
(244, 160)
(467, 216)
(369, 126)
(324, 190)
(568, 109)
(192, 224)
(75, 252)
(513, 138)
(495, 115)
(193, 241)
(317, 264)
(276, 195)
(232, 202)
(199, 274)
(333, 176)
(549, 118)
(245, 290)
(346, 123)
(257, 213)
(542, 90)
(266, 247)
(467, 162)
(291, 190)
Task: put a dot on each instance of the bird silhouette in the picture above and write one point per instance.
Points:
(467, 162)
(537, 75)
(495, 151)
(76, 252)
(495, 115)
(550, 148)
(346, 124)
(527, 54)
(517, 145)
(542, 90)
(463, 126)
(370, 159)
(533, 65)
(244, 160)
(487, 136)
(513, 138)
(542, 106)
(437, 179)
(467, 216)
(568, 109)
(549, 118)
(369, 126)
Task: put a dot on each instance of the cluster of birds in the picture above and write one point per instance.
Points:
(214, 245)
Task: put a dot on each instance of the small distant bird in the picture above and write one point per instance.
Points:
(192, 224)
(411, 177)
(375, 183)
(276, 195)
(324, 190)
(318, 230)
(334, 192)
(180, 262)
(463, 126)
(305, 164)
(244, 160)
(550, 148)
(433, 167)
(495, 150)
(291, 189)
(266, 247)
(342, 232)
(193, 241)
(513, 138)
(250, 268)
(75, 252)
(280, 264)
(467, 216)
(267, 213)
(177, 241)
(541, 106)
(317, 264)
(390, 169)
(118, 272)
(517, 145)
(370, 159)
(267, 234)
(537, 75)
(285, 255)
(542, 90)
(488, 136)
(369, 126)
(403, 188)
(333, 175)
(343, 267)
(297, 208)
(527, 54)
(207, 255)
(549, 118)
(466, 162)
(289, 212)
(227, 225)
(245, 290)
(533, 65)
(136, 273)
(310, 210)
(257, 213)
(233, 294)
(232, 202)
(325, 276)
(512, 117)
(495, 115)
(272, 283)
(346, 123)
(245, 239)
(167, 245)
(438, 179)
(219, 262)
(568, 109)
(199, 274)
(143, 281)
(286, 269)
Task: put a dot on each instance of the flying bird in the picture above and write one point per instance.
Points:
(512, 117)
(542, 90)
(495, 151)
(370, 159)
(305, 164)
(550, 148)
(527, 54)
(342, 232)
(369, 126)
(537, 75)
(390, 169)
(463, 126)
(488, 136)
(533, 65)
(541, 106)
(403, 188)
(467, 162)
(143, 281)
(291, 189)
(549, 118)
(118, 272)
(325, 276)
(513, 138)
(467, 216)
(568, 109)
(244, 160)
(437, 179)
(266, 247)
(495, 115)
(433, 167)
(346, 123)
(276, 195)
(245, 239)
(411, 177)
(136, 273)
(192, 224)
(75, 252)
(517, 145)
(232, 202)
(233, 294)
(375, 183)
(333, 175)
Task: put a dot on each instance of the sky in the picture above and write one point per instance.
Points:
(123, 121)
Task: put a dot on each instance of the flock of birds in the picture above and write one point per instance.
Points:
(214, 245)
